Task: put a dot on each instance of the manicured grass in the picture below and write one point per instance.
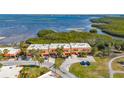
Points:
(116, 65)
(32, 72)
(98, 69)
(111, 25)
(118, 75)
(1, 65)
(58, 62)
(1, 57)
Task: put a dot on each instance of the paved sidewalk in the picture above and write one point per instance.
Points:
(9, 71)
(49, 63)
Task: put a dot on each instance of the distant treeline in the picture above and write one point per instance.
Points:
(110, 25)
(50, 36)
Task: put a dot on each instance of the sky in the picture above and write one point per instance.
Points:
(62, 6)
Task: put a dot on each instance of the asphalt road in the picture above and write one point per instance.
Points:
(10, 63)
(111, 71)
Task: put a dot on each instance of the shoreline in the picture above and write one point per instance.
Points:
(99, 23)
(113, 35)
(110, 34)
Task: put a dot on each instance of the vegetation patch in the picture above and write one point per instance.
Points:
(98, 69)
(101, 44)
(118, 75)
(32, 72)
(49, 36)
(118, 64)
(58, 62)
(1, 65)
(111, 25)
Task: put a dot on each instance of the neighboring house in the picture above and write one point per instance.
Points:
(68, 48)
(11, 51)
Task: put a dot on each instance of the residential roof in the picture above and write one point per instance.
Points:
(58, 45)
(38, 46)
(11, 50)
(80, 45)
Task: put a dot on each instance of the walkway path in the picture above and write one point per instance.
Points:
(59, 72)
(111, 71)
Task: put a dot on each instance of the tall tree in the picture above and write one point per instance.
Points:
(5, 51)
(23, 46)
(94, 51)
(59, 52)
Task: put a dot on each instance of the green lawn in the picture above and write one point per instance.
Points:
(117, 66)
(32, 72)
(1, 57)
(118, 75)
(58, 62)
(98, 69)
(1, 65)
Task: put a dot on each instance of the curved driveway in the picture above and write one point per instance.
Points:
(111, 71)
(69, 61)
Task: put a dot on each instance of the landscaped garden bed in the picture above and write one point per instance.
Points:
(32, 71)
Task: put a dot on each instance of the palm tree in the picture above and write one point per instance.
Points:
(83, 54)
(92, 42)
(40, 60)
(94, 51)
(70, 49)
(59, 52)
(37, 55)
(109, 48)
(32, 53)
(23, 46)
(5, 51)
(1, 66)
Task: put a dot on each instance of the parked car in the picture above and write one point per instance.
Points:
(82, 63)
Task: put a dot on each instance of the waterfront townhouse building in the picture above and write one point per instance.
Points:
(68, 48)
(64, 46)
(80, 47)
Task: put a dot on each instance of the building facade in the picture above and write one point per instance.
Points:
(11, 51)
(68, 48)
